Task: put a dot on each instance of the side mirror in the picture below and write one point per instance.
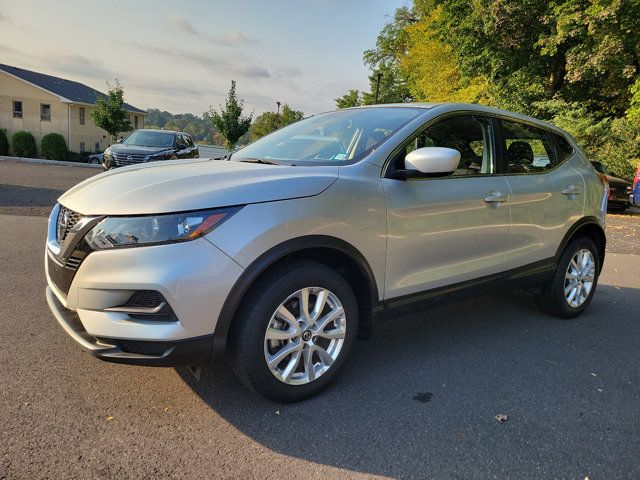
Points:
(432, 161)
(119, 140)
(181, 146)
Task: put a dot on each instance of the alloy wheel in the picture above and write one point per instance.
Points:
(305, 335)
(579, 278)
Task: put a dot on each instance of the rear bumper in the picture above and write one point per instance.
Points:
(186, 352)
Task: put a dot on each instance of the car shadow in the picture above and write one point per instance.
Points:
(422, 394)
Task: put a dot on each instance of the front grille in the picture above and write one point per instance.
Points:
(67, 219)
(154, 349)
(123, 159)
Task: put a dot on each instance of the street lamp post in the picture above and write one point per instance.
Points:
(278, 104)
(378, 76)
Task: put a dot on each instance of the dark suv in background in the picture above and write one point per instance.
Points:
(148, 146)
(619, 189)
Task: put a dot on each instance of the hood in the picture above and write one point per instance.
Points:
(182, 185)
(137, 149)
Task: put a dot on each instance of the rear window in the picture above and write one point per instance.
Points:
(528, 149)
(565, 150)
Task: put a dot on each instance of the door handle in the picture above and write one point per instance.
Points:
(571, 190)
(496, 197)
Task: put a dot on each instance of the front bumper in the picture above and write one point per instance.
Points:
(187, 352)
(194, 278)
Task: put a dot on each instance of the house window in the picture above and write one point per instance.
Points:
(45, 112)
(81, 147)
(135, 121)
(97, 147)
(81, 116)
(17, 109)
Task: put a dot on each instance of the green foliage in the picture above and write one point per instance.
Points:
(353, 98)
(620, 150)
(4, 142)
(200, 128)
(634, 105)
(23, 144)
(575, 63)
(73, 156)
(53, 146)
(109, 113)
(229, 121)
(269, 122)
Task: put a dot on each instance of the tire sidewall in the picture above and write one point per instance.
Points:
(248, 338)
(557, 286)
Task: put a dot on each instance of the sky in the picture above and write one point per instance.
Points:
(182, 56)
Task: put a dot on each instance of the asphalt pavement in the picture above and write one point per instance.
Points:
(418, 400)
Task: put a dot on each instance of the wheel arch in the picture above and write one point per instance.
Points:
(334, 252)
(589, 227)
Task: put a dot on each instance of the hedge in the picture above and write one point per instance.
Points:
(4, 142)
(53, 146)
(23, 144)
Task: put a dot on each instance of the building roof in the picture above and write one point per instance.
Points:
(70, 91)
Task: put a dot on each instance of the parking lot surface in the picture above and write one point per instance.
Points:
(418, 400)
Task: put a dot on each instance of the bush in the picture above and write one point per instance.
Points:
(73, 156)
(53, 146)
(23, 144)
(4, 142)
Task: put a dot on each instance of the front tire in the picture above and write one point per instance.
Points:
(294, 331)
(574, 282)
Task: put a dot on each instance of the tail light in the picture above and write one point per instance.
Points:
(637, 179)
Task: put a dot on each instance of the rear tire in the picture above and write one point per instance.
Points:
(574, 282)
(271, 319)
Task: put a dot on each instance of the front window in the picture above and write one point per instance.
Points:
(150, 139)
(330, 138)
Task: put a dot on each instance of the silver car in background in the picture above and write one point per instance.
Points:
(284, 255)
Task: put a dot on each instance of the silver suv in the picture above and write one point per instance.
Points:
(285, 254)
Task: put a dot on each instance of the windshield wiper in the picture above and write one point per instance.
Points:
(258, 160)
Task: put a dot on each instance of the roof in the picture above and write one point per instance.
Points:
(447, 107)
(68, 90)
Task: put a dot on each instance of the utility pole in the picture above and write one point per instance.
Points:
(278, 104)
(378, 76)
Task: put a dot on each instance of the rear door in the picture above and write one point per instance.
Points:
(547, 193)
(450, 229)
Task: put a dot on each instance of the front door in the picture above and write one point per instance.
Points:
(446, 230)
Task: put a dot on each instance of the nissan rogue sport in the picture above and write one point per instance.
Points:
(286, 252)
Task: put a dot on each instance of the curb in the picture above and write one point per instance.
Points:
(49, 162)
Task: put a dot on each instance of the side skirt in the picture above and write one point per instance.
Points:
(522, 277)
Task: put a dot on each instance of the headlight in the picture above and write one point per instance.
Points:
(107, 154)
(145, 230)
(161, 156)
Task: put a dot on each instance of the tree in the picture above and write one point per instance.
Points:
(109, 113)
(353, 98)
(384, 60)
(229, 121)
(431, 72)
(269, 122)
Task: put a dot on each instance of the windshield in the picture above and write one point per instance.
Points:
(149, 139)
(330, 138)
